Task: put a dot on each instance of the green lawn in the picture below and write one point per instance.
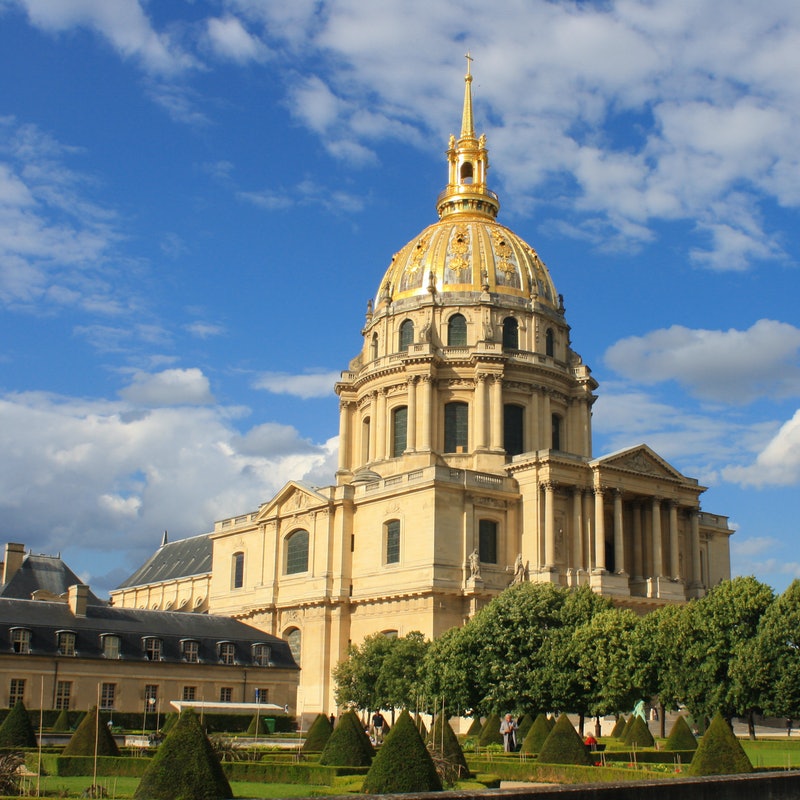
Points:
(779, 753)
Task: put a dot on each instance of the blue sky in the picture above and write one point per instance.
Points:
(198, 198)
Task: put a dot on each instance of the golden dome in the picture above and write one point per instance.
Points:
(467, 251)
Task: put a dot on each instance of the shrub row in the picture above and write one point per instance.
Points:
(261, 772)
(649, 756)
(73, 766)
(558, 773)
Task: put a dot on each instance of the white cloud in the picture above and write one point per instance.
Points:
(122, 23)
(733, 366)
(171, 387)
(205, 330)
(778, 464)
(230, 39)
(104, 475)
(317, 384)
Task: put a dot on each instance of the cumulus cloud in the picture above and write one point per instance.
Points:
(314, 384)
(171, 387)
(734, 366)
(106, 475)
(230, 39)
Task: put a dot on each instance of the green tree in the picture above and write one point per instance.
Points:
(356, 676)
(720, 625)
(400, 678)
(448, 674)
(184, 767)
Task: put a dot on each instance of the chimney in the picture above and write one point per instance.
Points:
(15, 554)
(77, 597)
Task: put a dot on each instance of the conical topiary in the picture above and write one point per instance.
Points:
(638, 735)
(490, 732)
(90, 735)
(423, 731)
(619, 727)
(475, 727)
(523, 726)
(564, 746)
(444, 742)
(185, 766)
(536, 736)
(169, 722)
(403, 763)
(628, 724)
(256, 726)
(17, 729)
(551, 721)
(348, 745)
(719, 752)
(681, 736)
(318, 735)
(61, 725)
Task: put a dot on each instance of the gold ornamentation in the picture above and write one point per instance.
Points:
(459, 247)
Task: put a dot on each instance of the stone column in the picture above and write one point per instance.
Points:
(411, 433)
(549, 525)
(599, 531)
(697, 576)
(638, 542)
(496, 413)
(619, 541)
(380, 422)
(674, 549)
(427, 412)
(533, 439)
(344, 434)
(547, 422)
(588, 530)
(577, 529)
(373, 426)
(658, 566)
(480, 411)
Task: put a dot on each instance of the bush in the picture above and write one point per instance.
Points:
(564, 745)
(523, 726)
(403, 763)
(638, 734)
(490, 732)
(90, 735)
(184, 766)
(61, 725)
(318, 735)
(624, 731)
(17, 730)
(619, 728)
(536, 736)
(681, 736)
(719, 752)
(348, 745)
(445, 746)
(257, 726)
(423, 731)
(475, 727)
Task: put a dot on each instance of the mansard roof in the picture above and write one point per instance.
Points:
(44, 574)
(179, 559)
(44, 619)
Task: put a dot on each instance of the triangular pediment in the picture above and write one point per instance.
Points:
(640, 460)
(294, 498)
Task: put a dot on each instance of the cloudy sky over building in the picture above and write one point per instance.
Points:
(198, 198)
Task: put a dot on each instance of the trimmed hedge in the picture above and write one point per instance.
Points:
(719, 751)
(444, 741)
(91, 738)
(17, 729)
(348, 745)
(564, 746)
(490, 732)
(619, 728)
(533, 771)
(475, 727)
(536, 736)
(639, 734)
(318, 735)
(649, 756)
(73, 766)
(681, 736)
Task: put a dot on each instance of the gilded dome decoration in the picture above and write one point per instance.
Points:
(467, 250)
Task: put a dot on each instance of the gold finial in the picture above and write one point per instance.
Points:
(467, 126)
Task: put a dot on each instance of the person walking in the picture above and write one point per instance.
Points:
(377, 726)
(508, 728)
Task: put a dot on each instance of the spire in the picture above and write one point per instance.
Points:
(468, 162)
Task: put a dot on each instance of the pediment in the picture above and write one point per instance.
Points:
(642, 461)
(293, 498)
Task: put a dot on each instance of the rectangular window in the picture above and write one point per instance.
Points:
(226, 694)
(66, 643)
(238, 570)
(21, 640)
(191, 652)
(399, 431)
(393, 542)
(487, 535)
(63, 695)
(227, 652)
(110, 646)
(16, 691)
(150, 693)
(108, 693)
(262, 695)
(456, 429)
(152, 649)
(189, 692)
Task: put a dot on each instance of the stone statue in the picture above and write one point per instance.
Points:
(519, 570)
(474, 564)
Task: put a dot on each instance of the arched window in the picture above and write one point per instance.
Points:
(297, 552)
(510, 334)
(487, 541)
(466, 172)
(549, 343)
(456, 427)
(390, 634)
(399, 431)
(295, 640)
(373, 347)
(556, 425)
(406, 335)
(392, 529)
(457, 331)
(513, 431)
(237, 571)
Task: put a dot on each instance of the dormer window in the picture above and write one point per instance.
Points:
(65, 643)
(153, 648)
(111, 645)
(227, 652)
(20, 640)
(190, 650)
(261, 654)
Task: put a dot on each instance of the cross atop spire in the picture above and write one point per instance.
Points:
(467, 125)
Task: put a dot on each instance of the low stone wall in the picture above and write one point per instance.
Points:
(761, 786)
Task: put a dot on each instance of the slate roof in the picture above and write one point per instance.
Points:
(44, 619)
(179, 559)
(42, 573)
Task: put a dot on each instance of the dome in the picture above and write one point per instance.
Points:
(467, 252)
